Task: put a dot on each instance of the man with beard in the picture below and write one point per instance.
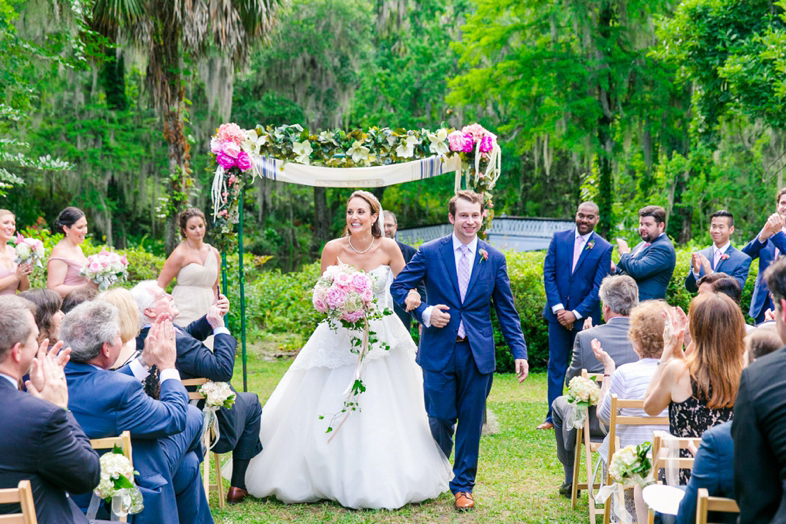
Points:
(575, 265)
(652, 262)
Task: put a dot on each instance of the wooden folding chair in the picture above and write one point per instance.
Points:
(219, 484)
(705, 503)
(124, 443)
(583, 440)
(22, 494)
(661, 458)
(614, 441)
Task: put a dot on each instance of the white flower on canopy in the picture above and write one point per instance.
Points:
(358, 152)
(253, 142)
(407, 149)
(303, 151)
(439, 142)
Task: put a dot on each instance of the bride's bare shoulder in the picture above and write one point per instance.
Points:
(334, 247)
(389, 245)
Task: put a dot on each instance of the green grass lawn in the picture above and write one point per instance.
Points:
(517, 481)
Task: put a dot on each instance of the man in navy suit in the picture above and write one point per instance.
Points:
(165, 433)
(576, 263)
(652, 261)
(768, 245)
(238, 425)
(391, 226)
(463, 275)
(41, 441)
(721, 256)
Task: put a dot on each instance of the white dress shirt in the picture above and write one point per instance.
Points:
(473, 247)
(558, 307)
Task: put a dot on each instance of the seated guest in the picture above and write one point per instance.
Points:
(704, 396)
(42, 441)
(47, 313)
(239, 425)
(759, 427)
(721, 283)
(128, 316)
(165, 434)
(76, 297)
(619, 294)
(721, 256)
(713, 467)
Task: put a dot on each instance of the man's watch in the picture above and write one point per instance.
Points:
(142, 362)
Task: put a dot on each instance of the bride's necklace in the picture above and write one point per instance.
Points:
(349, 239)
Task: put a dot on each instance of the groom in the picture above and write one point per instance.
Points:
(462, 275)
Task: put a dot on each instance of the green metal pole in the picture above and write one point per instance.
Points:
(224, 290)
(242, 290)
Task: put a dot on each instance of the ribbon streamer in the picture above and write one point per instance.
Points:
(210, 423)
(357, 375)
(575, 418)
(217, 190)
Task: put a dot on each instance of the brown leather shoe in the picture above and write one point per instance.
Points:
(464, 501)
(236, 495)
(546, 425)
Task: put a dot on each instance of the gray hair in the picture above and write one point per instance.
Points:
(14, 325)
(390, 214)
(87, 327)
(620, 293)
(145, 298)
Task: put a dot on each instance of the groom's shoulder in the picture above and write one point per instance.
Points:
(432, 245)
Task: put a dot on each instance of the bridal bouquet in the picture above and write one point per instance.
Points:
(117, 484)
(105, 269)
(217, 395)
(346, 296)
(582, 393)
(28, 250)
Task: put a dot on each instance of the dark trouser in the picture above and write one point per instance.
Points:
(239, 427)
(560, 351)
(456, 398)
(566, 438)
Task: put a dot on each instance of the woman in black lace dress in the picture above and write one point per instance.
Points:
(699, 385)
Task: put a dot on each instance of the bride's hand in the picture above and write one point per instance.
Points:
(413, 300)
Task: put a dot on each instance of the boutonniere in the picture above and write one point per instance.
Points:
(590, 245)
(484, 255)
(724, 256)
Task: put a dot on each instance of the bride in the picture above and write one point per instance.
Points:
(383, 456)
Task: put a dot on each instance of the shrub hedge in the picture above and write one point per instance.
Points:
(280, 303)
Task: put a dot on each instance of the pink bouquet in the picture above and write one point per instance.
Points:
(105, 268)
(28, 250)
(470, 138)
(345, 295)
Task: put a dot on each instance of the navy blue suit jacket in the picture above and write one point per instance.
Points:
(713, 469)
(44, 444)
(765, 251)
(736, 265)
(651, 267)
(106, 403)
(435, 264)
(577, 290)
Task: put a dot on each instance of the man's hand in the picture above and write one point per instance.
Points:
(769, 314)
(50, 382)
(774, 224)
(613, 267)
(603, 357)
(587, 323)
(695, 262)
(704, 263)
(215, 317)
(413, 300)
(622, 246)
(522, 369)
(566, 318)
(160, 348)
(440, 316)
(222, 302)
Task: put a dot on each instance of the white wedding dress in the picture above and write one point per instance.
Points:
(383, 456)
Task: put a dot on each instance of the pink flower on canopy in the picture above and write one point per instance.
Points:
(477, 132)
(342, 280)
(231, 133)
(487, 143)
(215, 145)
(230, 149)
(335, 297)
(223, 213)
(360, 282)
(352, 316)
(469, 144)
(231, 180)
(243, 161)
(225, 160)
(456, 140)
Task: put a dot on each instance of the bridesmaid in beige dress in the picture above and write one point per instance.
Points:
(195, 264)
(67, 257)
(13, 277)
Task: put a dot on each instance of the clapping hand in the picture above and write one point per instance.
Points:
(674, 324)
(622, 246)
(774, 225)
(704, 263)
(160, 347)
(47, 378)
(587, 323)
(602, 356)
(413, 300)
(769, 315)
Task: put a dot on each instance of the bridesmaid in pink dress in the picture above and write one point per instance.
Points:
(13, 277)
(67, 257)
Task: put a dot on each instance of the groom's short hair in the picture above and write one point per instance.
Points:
(466, 194)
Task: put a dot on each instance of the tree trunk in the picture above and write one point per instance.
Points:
(605, 131)
(321, 219)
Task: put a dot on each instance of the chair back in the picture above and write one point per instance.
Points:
(705, 503)
(665, 453)
(22, 494)
(123, 442)
(617, 419)
(195, 395)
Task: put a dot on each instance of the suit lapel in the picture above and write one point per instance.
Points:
(449, 261)
(584, 252)
(476, 267)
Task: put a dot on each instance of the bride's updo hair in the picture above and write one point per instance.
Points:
(67, 218)
(187, 215)
(374, 205)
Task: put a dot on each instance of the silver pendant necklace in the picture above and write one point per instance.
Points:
(349, 239)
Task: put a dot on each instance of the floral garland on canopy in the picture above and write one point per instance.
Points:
(240, 154)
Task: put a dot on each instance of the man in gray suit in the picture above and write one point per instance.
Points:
(619, 295)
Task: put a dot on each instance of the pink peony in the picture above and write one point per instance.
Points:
(94, 266)
(19, 239)
(319, 304)
(215, 145)
(230, 149)
(231, 133)
(477, 132)
(456, 140)
(469, 144)
(342, 280)
(124, 260)
(487, 143)
(367, 295)
(335, 297)
(352, 316)
(360, 282)
(225, 160)
(244, 161)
